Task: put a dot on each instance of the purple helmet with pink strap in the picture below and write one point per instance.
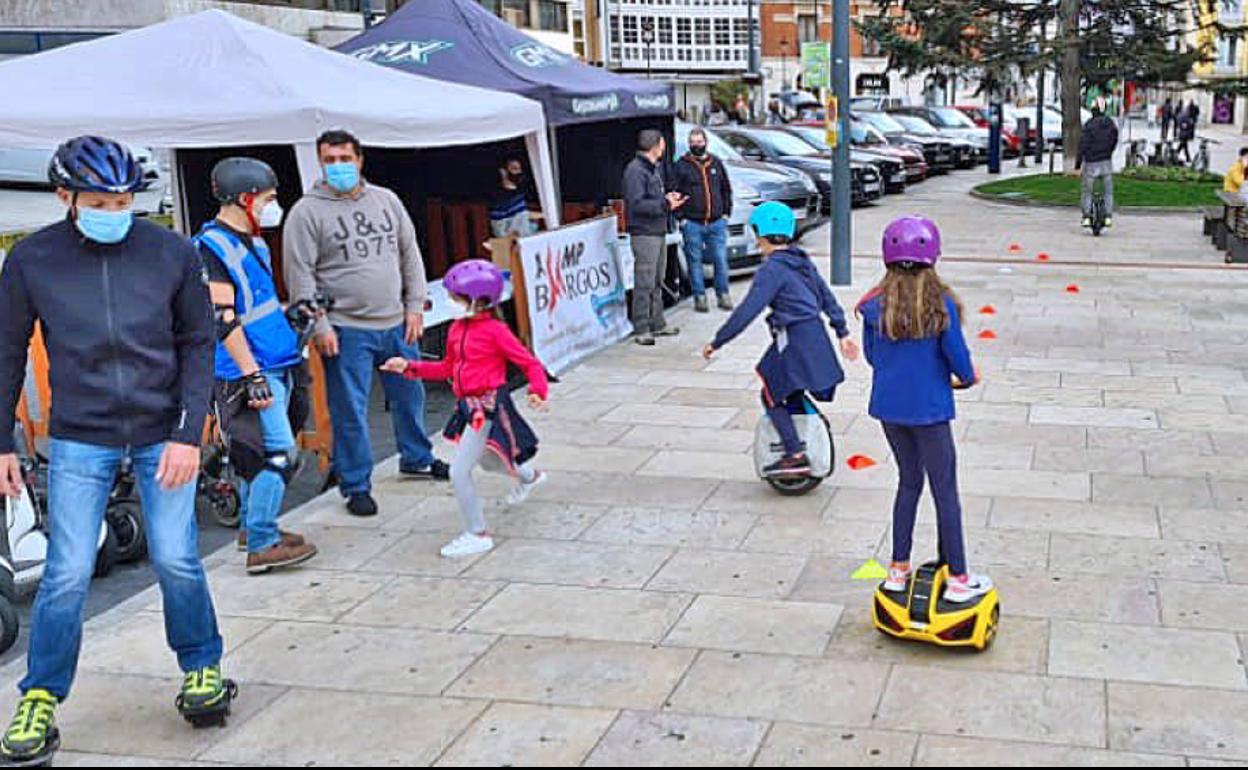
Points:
(475, 279)
(911, 239)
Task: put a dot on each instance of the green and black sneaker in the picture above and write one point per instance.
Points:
(205, 697)
(32, 737)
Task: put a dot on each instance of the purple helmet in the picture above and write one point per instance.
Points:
(475, 279)
(911, 239)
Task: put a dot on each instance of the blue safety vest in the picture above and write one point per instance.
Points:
(272, 341)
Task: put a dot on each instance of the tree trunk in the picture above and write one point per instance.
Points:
(1071, 83)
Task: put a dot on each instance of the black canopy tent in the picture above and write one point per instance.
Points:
(594, 115)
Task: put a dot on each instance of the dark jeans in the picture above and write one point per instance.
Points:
(782, 419)
(703, 242)
(349, 382)
(929, 449)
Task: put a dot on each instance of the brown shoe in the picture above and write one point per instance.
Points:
(280, 555)
(288, 538)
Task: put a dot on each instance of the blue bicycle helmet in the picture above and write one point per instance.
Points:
(95, 164)
(773, 218)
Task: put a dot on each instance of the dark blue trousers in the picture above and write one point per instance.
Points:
(919, 450)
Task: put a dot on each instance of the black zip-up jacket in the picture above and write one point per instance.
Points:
(1098, 140)
(129, 333)
(705, 181)
(645, 198)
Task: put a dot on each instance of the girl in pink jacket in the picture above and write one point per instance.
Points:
(478, 349)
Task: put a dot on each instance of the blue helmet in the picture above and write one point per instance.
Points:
(773, 218)
(95, 164)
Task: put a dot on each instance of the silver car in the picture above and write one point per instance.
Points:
(30, 167)
(752, 183)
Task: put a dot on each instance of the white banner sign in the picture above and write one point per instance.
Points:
(574, 285)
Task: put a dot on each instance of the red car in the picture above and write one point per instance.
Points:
(868, 138)
(979, 113)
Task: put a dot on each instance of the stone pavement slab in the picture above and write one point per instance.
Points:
(655, 603)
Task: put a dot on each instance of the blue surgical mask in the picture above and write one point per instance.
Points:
(104, 226)
(342, 177)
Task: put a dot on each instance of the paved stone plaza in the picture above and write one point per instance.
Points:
(656, 604)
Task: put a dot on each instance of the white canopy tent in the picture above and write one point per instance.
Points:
(213, 80)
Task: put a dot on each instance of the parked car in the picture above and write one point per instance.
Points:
(911, 155)
(753, 183)
(936, 151)
(876, 103)
(965, 154)
(30, 167)
(891, 169)
(755, 143)
(1011, 142)
(952, 122)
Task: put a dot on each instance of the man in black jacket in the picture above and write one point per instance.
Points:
(648, 205)
(1096, 155)
(702, 179)
(124, 308)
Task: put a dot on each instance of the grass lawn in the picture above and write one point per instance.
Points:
(1064, 190)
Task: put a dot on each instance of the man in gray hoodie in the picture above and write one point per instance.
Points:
(355, 242)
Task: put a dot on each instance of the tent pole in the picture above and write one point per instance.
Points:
(552, 137)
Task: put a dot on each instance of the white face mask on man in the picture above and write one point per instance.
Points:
(271, 214)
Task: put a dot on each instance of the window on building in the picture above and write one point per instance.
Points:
(552, 16)
(684, 32)
(615, 29)
(665, 30)
(702, 31)
(807, 28)
(723, 32)
(741, 31)
(630, 29)
(871, 47)
(514, 12)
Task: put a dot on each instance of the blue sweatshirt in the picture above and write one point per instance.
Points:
(911, 383)
(790, 285)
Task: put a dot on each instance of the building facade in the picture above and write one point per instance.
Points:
(31, 26)
(548, 21)
(691, 44)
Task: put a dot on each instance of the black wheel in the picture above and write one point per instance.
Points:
(800, 485)
(9, 624)
(107, 556)
(221, 501)
(125, 519)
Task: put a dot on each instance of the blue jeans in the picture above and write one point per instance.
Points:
(919, 450)
(703, 241)
(265, 492)
(349, 381)
(79, 479)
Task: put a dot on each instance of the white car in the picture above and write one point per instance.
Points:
(30, 167)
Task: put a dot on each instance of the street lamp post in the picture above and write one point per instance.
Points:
(842, 239)
(647, 37)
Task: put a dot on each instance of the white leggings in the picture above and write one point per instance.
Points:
(472, 449)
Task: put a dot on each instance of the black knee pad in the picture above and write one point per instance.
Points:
(281, 463)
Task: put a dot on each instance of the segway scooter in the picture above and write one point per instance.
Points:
(816, 434)
(920, 611)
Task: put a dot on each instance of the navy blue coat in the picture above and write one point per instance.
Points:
(801, 356)
(911, 383)
(129, 333)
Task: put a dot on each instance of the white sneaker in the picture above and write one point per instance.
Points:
(467, 544)
(960, 591)
(520, 492)
(897, 579)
